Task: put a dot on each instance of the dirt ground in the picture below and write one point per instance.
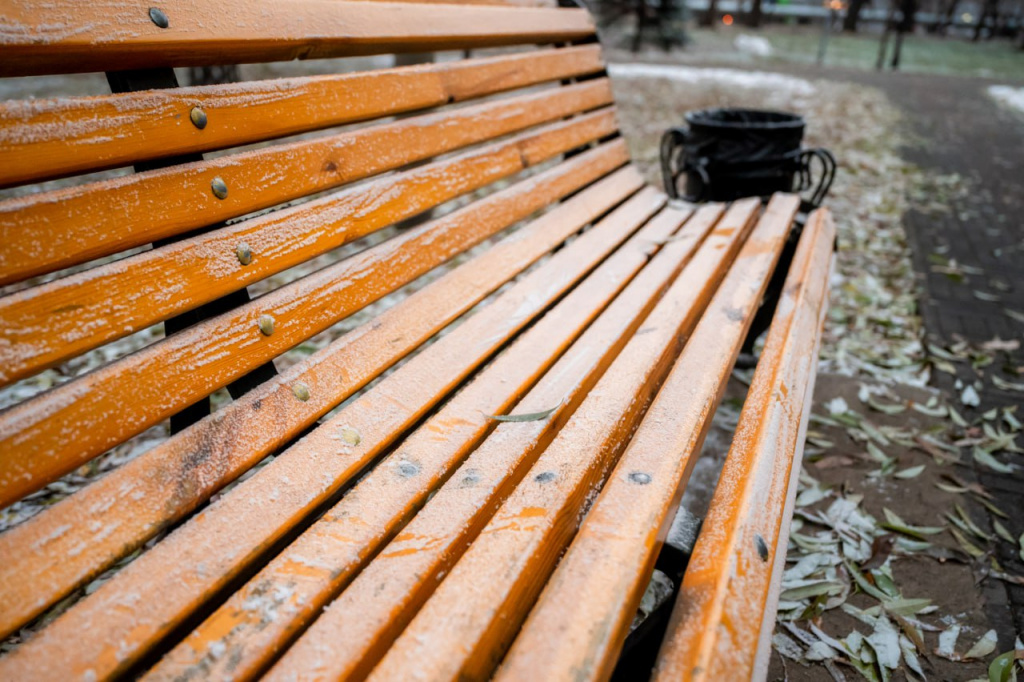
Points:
(943, 574)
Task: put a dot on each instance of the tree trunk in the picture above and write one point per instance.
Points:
(213, 75)
(883, 43)
(947, 16)
(755, 15)
(853, 15)
(988, 9)
(707, 19)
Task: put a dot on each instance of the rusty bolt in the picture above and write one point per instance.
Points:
(244, 253)
(762, 547)
(198, 117)
(350, 436)
(266, 324)
(301, 391)
(219, 187)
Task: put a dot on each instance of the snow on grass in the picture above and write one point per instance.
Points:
(719, 77)
(1008, 96)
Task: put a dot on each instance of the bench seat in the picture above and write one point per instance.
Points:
(514, 351)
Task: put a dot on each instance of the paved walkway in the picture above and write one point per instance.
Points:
(959, 130)
(962, 132)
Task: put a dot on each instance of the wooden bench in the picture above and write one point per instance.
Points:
(358, 511)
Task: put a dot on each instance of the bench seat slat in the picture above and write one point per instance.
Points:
(48, 324)
(48, 138)
(47, 436)
(464, 627)
(519, 3)
(237, 641)
(348, 639)
(211, 549)
(727, 584)
(52, 230)
(613, 553)
(65, 36)
(91, 530)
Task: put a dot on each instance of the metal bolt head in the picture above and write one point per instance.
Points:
(266, 324)
(301, 391)
(762, 547)
(219, 187)
(640, 478)
(244, 253)
(198, 117)
(157, 16)
(350, 436)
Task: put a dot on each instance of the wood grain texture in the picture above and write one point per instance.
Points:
(94, 528)
(236, 640)
(465, 627)
(66, 36)
(713, 630)
(45, 325)
(47, 436)
(48, 231)
(349, 638)
(517, 3)
(212, 548)
(613, 553)
(55, 137)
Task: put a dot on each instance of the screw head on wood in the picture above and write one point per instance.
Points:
(266, 324)
(350, 436)
(244, 253)
(198, 117)
(158, 17)
(219, 187)
(301, 391)
(762, 547)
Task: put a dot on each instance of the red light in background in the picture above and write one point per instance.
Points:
(727, 19)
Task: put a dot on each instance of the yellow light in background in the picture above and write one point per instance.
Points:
(966, 17)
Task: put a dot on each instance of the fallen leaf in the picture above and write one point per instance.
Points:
(1015, 314)
(1001, 667)
(833, 461)
(881, 548)
(947, 643)
(986, 459)
(998, 344)
(837, 406)
(984, 646)
(911, 472)
(969, 396)
(526, 417)
(1002, 532)
(966, 544)
(1007, 385)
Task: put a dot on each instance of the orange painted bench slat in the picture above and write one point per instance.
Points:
(400, 482)
(332, 375)
(727, 580)
(451, 241)
(46, 138)
(72, 315)
(65, 36)
(53, 230)
(614, 551)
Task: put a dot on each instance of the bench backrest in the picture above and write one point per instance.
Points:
(91, 255)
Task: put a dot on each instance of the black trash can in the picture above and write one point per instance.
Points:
(726, 154)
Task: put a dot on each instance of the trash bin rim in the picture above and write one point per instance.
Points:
(784, 120)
